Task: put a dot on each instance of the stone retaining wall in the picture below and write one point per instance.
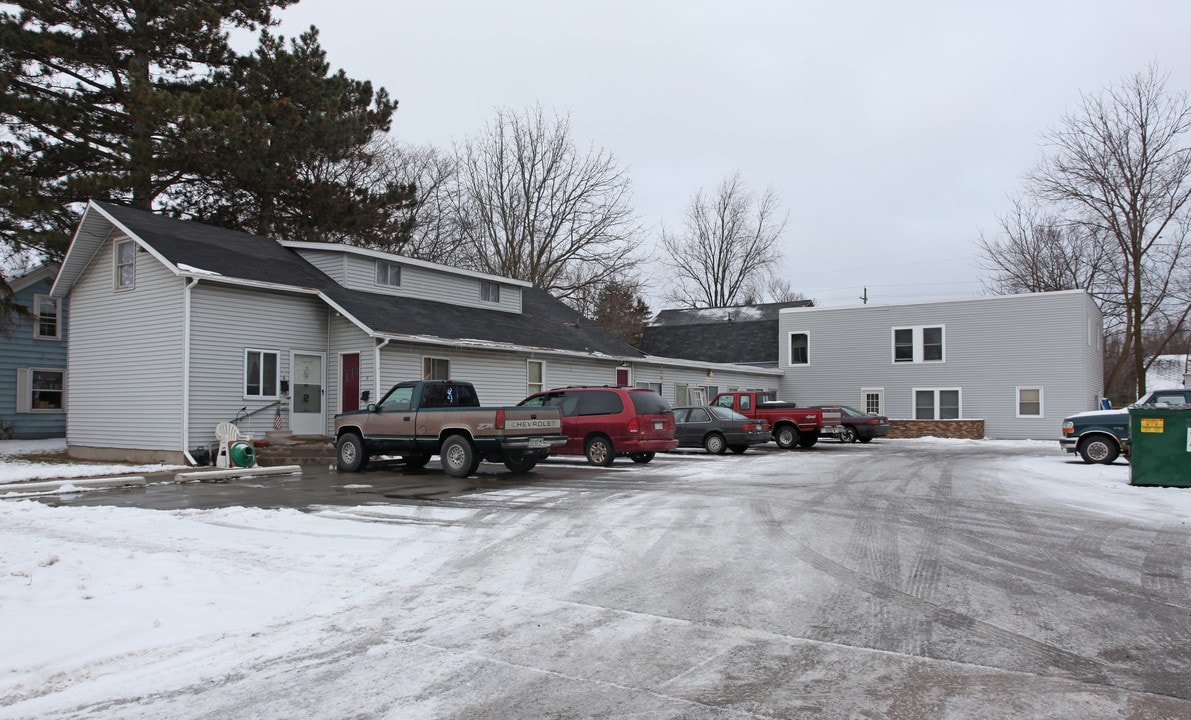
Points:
(965, 429)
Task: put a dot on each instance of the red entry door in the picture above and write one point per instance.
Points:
(349, 398)
(622, 376)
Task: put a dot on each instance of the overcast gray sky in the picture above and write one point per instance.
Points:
(894, 132)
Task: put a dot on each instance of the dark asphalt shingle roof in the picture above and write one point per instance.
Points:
(741, 334)
(545, 322)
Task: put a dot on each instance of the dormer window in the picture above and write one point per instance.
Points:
(125, 265)
(388, 273)
(489, 291)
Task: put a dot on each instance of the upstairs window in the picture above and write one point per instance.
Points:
(260, 373)
(45, 318)
(800, 348)
(388, 274)
(125, 265)
(918, 344)
(489, 291)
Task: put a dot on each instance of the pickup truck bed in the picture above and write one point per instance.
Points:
(418, 419)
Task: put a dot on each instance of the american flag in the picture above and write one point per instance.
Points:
(277, 420)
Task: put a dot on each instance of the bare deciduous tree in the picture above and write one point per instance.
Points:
(530, 205)
(727, 248)
(1117, 180)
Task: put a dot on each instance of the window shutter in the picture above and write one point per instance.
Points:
(24, 390)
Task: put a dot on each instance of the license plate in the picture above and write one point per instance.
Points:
(537, 442)
(659, 425)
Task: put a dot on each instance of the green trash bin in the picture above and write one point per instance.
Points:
(1160, 446)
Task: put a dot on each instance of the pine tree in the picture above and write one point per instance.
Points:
(146, 104)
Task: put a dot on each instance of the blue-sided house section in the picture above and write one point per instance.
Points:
(33, 361)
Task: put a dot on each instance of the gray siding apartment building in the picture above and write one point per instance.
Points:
(1021, 363)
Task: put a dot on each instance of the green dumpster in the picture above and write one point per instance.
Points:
(1160, 441)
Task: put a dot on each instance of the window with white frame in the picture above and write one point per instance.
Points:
(535, 376)
(936, 404)
(436, 368)
(45, 318)
(388, 273)
(260, 373)
(872, 400)
(1029, 402)
(125, 264)
(41, 390)
(918, 344)
(800, 351)
(489, 291)
(656, 387)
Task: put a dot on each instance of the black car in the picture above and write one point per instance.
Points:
(859, 426)
(716, 429)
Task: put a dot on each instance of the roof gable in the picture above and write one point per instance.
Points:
(221, 255)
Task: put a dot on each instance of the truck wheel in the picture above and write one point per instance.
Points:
(641, 457)
(459, 458)
(350, 453)
(599, 451)
(1098, 449)
(715, 444)
(522, 463)
(416, 460)
(848, 434)
(809, 439)
(786, 436)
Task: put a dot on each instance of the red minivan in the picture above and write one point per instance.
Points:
(603, 422)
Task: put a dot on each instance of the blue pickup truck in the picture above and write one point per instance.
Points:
(1101, 436)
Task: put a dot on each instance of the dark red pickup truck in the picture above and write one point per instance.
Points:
(791, 425)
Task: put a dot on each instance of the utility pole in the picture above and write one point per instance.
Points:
(864, 297)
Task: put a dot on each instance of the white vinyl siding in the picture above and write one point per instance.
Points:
(991, 344)
(296, 323)
(446, 285)
(125, 358)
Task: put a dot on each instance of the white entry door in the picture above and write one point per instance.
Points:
(306, 395)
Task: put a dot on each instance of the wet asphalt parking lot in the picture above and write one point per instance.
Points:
(888, 580)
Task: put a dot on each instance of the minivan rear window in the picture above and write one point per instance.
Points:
(647, 402)
(599, 402)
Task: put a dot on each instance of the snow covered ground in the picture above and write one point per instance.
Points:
(242, 612)
(14, 469)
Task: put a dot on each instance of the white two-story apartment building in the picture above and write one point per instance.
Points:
(1020, 363)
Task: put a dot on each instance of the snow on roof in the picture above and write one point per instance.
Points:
(728, 313)
(195, 271)
(1166, 372)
